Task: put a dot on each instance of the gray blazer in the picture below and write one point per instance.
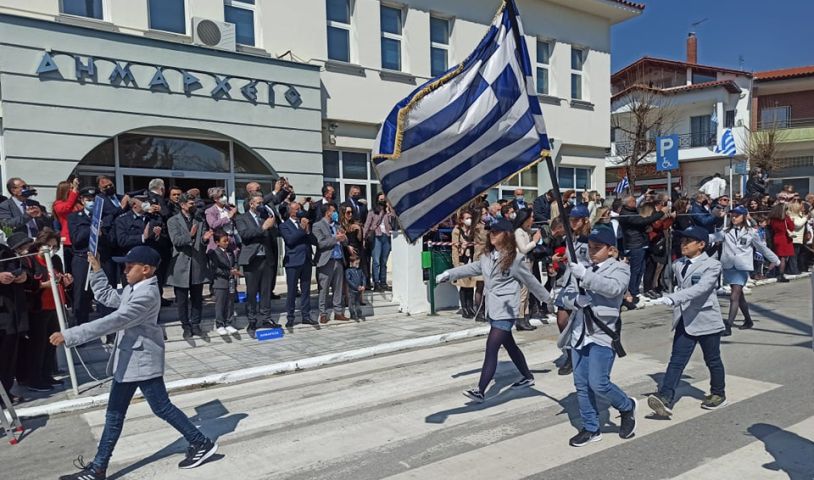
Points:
(325, 242)
(185, 251)
(739, 245)
(606, 288)
(696, 301)
(139, 348)
(502, 289)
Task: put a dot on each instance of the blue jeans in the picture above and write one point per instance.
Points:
(637, 259)
(592, 366)
(155, 393)
(683, 346)
(381, 251)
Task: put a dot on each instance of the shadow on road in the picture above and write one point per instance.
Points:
(214, 421)
(793, 454)
(798, 325)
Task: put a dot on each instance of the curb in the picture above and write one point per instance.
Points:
(253, 373)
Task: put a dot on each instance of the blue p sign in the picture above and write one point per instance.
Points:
(667, 153)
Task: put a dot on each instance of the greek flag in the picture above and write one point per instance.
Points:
(727, 144)
(622, 186)
(461, 133)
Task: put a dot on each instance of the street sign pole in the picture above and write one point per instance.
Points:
(667, 160)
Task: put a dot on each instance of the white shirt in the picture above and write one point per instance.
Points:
(139, 284)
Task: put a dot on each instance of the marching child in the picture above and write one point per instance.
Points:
(696, 320)
(222, 260)
(604, 282)
(356, 279)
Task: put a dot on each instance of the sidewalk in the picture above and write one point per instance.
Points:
(217, 360)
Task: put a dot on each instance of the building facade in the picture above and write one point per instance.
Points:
(696, 102)
(133, 89)
(784, 100)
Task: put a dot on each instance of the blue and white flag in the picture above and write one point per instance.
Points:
(622, 186)
(727, 144)
(95, 225)
(461, 133)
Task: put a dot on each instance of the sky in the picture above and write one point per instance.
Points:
(767, 34)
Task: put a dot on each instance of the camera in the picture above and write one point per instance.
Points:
(29, 192)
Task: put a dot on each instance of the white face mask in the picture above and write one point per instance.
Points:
(224, 199)
(512, 216)
(468, 222)
(145, 206)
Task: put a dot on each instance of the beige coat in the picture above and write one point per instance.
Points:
(457, 249)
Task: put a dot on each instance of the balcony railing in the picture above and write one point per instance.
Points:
(685, 140)
(789, 123)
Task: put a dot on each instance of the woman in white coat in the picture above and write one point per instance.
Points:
(739, 244)
(504, 273)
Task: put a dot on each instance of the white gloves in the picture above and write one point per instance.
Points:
(583, 300)
(578, 270)
(442, 277)
(663, 301)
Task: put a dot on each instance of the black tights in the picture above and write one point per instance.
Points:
(738, 299)
(495, 339)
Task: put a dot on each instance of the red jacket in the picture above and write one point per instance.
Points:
(63, 208)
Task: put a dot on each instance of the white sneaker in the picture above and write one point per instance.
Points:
(231, 330)
(222, 331)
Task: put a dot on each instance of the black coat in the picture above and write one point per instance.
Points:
(13, 303)
(221, 265)
(634, 227)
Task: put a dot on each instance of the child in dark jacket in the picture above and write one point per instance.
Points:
(356, 281)
(222, 260)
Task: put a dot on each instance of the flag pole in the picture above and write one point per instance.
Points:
(555, 184)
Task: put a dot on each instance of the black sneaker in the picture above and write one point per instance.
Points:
(475, 395)
(660, 405)
(197, 454)
(627, 427)
(585, 437)
(713, 402)
(86, 472)
(567, 368)
(187, 334)
(524, 383)
(40, 388)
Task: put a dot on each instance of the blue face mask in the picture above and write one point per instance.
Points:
(89, 205)
(335, 217)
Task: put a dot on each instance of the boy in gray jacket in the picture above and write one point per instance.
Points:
(605, 282)
(137, 361)
(696, 320)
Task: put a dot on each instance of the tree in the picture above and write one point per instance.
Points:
(641, 113)
(763, 145)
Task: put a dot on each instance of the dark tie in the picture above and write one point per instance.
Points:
(687, 264)
(594, 267)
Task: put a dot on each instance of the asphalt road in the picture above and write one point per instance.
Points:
(403, 415)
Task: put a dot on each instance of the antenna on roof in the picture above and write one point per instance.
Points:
(740, 62)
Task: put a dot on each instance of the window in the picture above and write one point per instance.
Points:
(527, 180)
(143, 151)
(729, 120)
(83, 8)
(577, 61)
(574, 178)
(775, 117)
(168, 15)
(701, 131)
(702, 77)
(241, 13)
(344, 169)
(439, 45)
(543, 59)
(338, 30)
(391, 37)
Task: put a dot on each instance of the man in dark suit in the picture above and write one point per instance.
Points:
(519, 202)
(113, 205)
(134, 228)
(542, 207)
(297, 236)
(79, 228)
(317, 210)
(158, 215)
(20, 212)
(359, 208)
(259, 246)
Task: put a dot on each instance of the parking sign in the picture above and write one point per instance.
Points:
(667, 153)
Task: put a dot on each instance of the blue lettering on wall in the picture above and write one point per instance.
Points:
(191, 83)
(85, 69)
(122, 75)
(158, 81)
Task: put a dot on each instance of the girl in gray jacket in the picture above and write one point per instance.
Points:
(504, 273)
(739, 244)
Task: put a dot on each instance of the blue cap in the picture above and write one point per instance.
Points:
(502, 225)
(142, 254)
(739, 210)
(695, 233)
(603, 234)
(579, 211)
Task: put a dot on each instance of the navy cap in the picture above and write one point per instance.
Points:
(502, 225)
(141, 254)
(579, 211)
(739, 210)
(88, 192)
(695, 233)
(603, 234)
(18, 240)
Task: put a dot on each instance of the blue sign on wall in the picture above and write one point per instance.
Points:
(667, 153)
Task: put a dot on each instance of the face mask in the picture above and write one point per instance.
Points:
(572, 201)
(519, 198)
(89, 205)
(306, 206)
(192, 210)
(29, 192)
(335, 217)
(355, 196)
(109, 190)
(383, 203)
(292, 197)
(512, 216)
(468, 222)
(224, 199)
(145, 206)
